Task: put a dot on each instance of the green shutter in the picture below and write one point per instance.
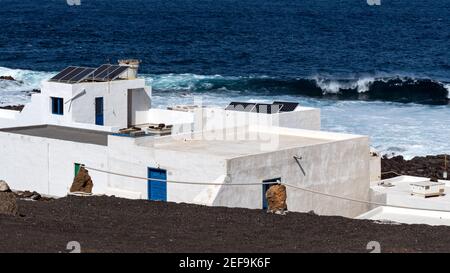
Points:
(77, 168)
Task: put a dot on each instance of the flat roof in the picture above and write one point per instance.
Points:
(62, 133)
(407, 216)
(236, 148)
(399, 193)
(227, 146)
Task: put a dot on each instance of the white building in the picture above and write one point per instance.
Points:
(77, 117)
(410, 200)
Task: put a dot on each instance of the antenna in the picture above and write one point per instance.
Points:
(444, 174)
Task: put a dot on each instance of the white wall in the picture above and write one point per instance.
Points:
(173, 117)
(47, 165)
(375, 169)
(32, 114)
(115, 99)
(216, 118)
(59, 90)
(140, 105)
(125, 157)
(339, 168)
(79, 104)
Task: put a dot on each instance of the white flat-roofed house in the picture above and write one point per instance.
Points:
(91, 101)
(76, 120)
(411, 200)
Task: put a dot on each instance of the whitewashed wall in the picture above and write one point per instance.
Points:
(141, 104)
(79, 104)
(115, 99)
(216, 118)
(47, 165)
(340, 168)
(125, 157)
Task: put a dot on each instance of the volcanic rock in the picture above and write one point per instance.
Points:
(276, 197)
(13, 107)
(7, 78)
(4, 187)
(8, 204)
(82, 182)
(424, 166)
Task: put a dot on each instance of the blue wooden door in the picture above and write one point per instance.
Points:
(157, 190)
(99, 111)
(265, 187)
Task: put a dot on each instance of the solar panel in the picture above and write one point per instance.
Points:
(75, 74)
(100, 70)
(83, 75)
(103, 76)
(116, 73)
(241, 106)
(266, 108)
(286, 106)
(72, 74)
(63, 73)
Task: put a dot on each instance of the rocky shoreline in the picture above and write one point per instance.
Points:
(430, 166)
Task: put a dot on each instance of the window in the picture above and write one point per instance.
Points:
(77, 168)
(57, 106)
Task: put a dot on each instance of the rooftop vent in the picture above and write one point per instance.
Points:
(427, 188)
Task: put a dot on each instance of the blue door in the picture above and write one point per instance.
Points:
(157, 190)
(99, 111)
(265, 205)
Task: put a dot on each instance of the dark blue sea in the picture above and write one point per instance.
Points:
(379, 70)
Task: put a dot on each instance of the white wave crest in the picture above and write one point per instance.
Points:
(333, 86)
(14, 92)
(447, 86)
(25, 79)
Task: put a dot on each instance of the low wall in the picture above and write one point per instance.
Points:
(217, 118)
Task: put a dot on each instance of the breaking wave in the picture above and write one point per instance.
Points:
(17, 91)
(395, 89)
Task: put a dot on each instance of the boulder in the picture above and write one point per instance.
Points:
(82, 182)
(13, 107)
(8, 204)
(7, 78)
(36, 196)
(276, 198)
(4, 186)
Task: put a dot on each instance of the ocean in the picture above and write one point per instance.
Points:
(378, 70)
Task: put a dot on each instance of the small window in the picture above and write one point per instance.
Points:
(77, 168)
(57, 106)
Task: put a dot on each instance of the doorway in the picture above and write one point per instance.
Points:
(157, 189)
(265, 187)
(99, 111)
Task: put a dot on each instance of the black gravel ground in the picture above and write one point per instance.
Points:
(108, 224)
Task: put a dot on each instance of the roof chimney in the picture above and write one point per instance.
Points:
(134, 66)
